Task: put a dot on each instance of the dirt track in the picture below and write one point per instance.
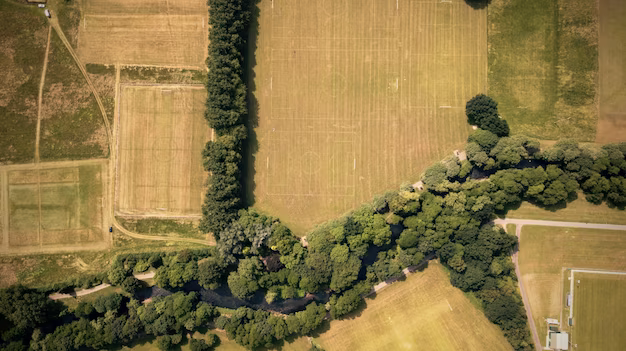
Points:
(58, 296)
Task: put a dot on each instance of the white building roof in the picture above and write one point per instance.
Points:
(552, 321)
(559, 341)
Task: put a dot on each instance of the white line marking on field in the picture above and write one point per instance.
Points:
(272, 3)
(271, 83)
(267, 164)
(355, 163)
(396, 5)
(449, 304)
(445, 106)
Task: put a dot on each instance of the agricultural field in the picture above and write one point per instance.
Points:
(424, 312)
(579, 210)
(72, 126)
(144, 32)
(23, 38)
(599, 309)
(543, 66)
(355, 97)
(162, 133)
(546, 251)
(53, 207)
(184, 228)
(612, 78)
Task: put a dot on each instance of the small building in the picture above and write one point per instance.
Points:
(552, 321)
(419, 185)
(558, 341)
(569, 300)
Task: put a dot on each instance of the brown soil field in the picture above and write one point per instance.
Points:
(357, 96)
(146, 32)
(53, 207)
(612, 80)
(161, 137)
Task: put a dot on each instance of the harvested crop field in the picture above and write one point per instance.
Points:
(546, 251)
(56, 207)
(612, 120)
(144, 32)
(162, 133)
(424, 312)
(356, 97)
(599, 309)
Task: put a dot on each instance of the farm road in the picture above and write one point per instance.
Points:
(519, 223)
(40, 97)
(57, 296)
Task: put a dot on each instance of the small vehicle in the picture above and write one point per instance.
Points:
(110, 229)
(41, 6)
(47, 12)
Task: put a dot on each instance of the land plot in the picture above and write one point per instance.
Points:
(145, 32)
(546, 251)
(599, 310)
(356, 97)
(72, 126)
(54, 208)
(23, 37)
(161, 137)
(612, 79)
(424, 312)
(543, 66)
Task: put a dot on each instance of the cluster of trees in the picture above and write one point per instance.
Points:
(226, 110)
(482, 111)
(30, 320)
(256, 329)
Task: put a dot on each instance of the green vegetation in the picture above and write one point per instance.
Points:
(138, 74)
(72, 125)
(543, 65)
(103, 79)
(482, 111)
(158, 226)
(225, 113)
(68, 14)
(23, 37)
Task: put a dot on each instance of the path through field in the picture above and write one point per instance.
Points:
(40, 97)
(519, 223)
(58, 296)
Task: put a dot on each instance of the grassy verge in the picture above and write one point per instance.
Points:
(543, 66)
(136, 74)
(71, 126)
(68, 14)
(579, 210)
(23, 37)
(103, 79)
(424, 312)
(165, 227)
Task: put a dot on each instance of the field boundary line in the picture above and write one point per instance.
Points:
(588, 271)
(171, 85)
(40, 97)
(4, 182)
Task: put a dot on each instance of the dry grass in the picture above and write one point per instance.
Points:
(145, 32)
(356, 97)
(162, 135)
(424, 312)
(579, 210)
(599, 309)
(53, 209)
(545, 251)
(612, 82)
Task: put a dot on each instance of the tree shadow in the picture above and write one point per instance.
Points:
(251, 144)
(478, 4)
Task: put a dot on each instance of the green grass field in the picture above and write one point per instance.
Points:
(579, 210)
(169, 227)
(599, 310)
(543, 66)
(424, 312)
(357, 96)
(545, 251)
(23, 37)
(72, 126)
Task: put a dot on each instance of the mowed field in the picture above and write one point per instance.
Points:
(357, 96)
(612, 80)
(144, 32)
(424, 312)
(599, 312)
(543, 64)
(545, 251)
(162, 133)
(58, 206)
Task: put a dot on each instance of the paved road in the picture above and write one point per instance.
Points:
(57, 296)
(519, 223)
